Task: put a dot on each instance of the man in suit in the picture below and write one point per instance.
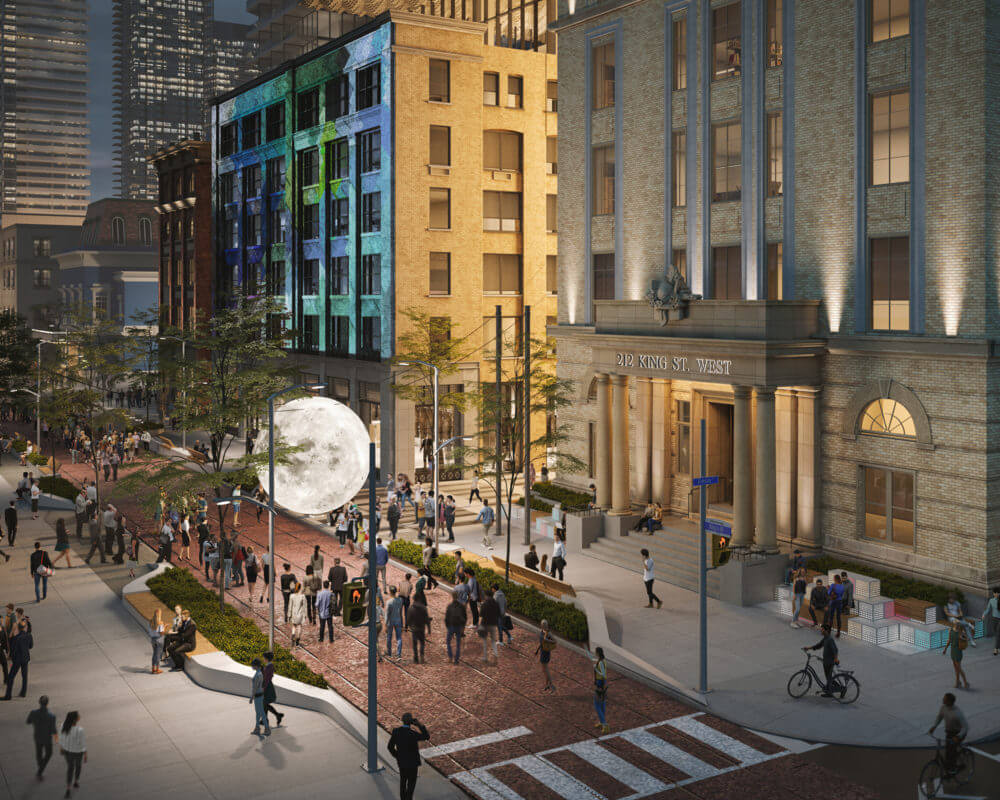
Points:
(46, 733)
(20, 654)
(10, 520)
(337, 577)
(404, 746)
(185, 642)
(38, 558)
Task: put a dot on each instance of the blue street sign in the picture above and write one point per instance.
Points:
(707, 480)
(718, 527)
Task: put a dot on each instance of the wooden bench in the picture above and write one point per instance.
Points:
(147, 602)
(544, 583)
(918, 610)
(195, 455)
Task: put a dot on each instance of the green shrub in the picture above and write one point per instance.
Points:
(60, 487)
(38, 459)
(19, 445)
(892, 585)
(537, 503)
(237, 637)
(570, 499)
(564, 618)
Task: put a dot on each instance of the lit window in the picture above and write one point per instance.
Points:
(775, 155)
(889, 266)
(774, 33)
(887, 417)
(551, 96)
(727, 150)
(604, 179)
(491, 89)
(890, 18)
(501, 211)
(552, 155)
(890, 138)
(515, 91)
(680, 53)
(604, 75)
(440, 83)
(726, 41)
(889, 505)
(678, 146)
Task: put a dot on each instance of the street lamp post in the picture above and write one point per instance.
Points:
(38, 395)
(435, 448)
(183, 342)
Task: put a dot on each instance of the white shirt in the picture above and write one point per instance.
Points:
(647, 569)
(167, 531)
(73, 742)
(559, 551)
(35, 491)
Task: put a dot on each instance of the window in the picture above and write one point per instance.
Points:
(339, 278)
(371, 335)
(604, 179)
(726, 41)
(371, 212)
(774, 271)
(101, 305)
(603, 277)
(118, 231)
(551, 96)
(440, 208)
(551, 274)
(501, 273)
(680, 53)
(888, 505)
(339, 159)
(440, 274)
(310, 221)
(310, 332)
(510, 342)
(603, 60)
(340, 224)
(515, 91)
(439, 90)
(368, 86)
(275, 121)
(501, 211)
(308, 108)
(42, 279)
(889, 266)
(440, 145)
(774, 34)
(276, 226)
(726, 157)
(680, 260)
(227, 188)
(502, 151)
(310, 276)
(678, 153)
(227, 140)
(251, 130)
(275, 171)
(43, 247)
(251, 181)
(491, 89)
(890, 138)
(230, 233)
(775, 155)
(275, 278)
(339, 333)
(371, 274)
(552, 155)
(890, 18)
(682, 413)
(309, 161)
(551, 214)
(338, 97)
(439, 333)
(887, 417)
(727, 274)
(371, 150)
(251, 236)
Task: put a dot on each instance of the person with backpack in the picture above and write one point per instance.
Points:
(41, 569)
(546, 644)
(486, 518)
(818, 601)
(958, 640)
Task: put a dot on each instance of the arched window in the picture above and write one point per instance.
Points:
(886, 417)
(145, 231)
(118, 231)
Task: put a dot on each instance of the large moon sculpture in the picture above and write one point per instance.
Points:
(331, 463)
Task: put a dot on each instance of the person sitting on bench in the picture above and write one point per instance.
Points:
(185, 642)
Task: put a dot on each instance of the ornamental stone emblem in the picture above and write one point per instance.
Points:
(669, 296)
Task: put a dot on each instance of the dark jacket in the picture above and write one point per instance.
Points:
(489, 613)
(337, 577)
(455, 615)
(818, 598)
(37, 558)
(288, 581)
(531, 560)
(829, 647)
(417, 618)
(187, 633)
(404, 745)
(10, 518)
(20, 648)
(394, 512)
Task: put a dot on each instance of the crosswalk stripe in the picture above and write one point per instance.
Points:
(474, 741)
(618, 768)
(559, 781)
(667, 752)
(485, 786)
(734, 748)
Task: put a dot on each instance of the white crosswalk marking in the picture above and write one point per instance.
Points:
(483, 785)
(559, 781)
(474, 741)
(743, 753)
(665, 751)
(617, 768)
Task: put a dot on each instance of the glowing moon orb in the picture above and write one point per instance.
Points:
(331, 463)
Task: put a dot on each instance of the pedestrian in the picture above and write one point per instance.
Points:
(601, 690)
(173, 635)
(829, 648)
(108, 523)
(474, 491)
(836, 593)
(956, 728)
(260, 495)
(62, 544)
(297, 613)
(186, 640)
(257, 700)
(337, 577)
(394, 623)
(341, 527)
(489, 627)
(427, 556)
(226, 548)
(405, 591)
(426, 518)
(311, 586)
(41, 569)
(252, 566)
(506, 623)
(848, 602)
(992, 613)
(270, 693)
(419, 621)
(818, 599)
(166, 542)
(74, 750)
(185, 537)
(543, 566)
(316, 561)
(19, 645)
(798, 596)
(324, 609)
(474, 597)
(156, 629)
(546, 644)
(449, 517)
(36, 493)
(486, 518)
(381, 563)
(132, 562)
(558, 556)
(43, 723)
(953, 613)
(288, 581)
(237, 494)
(404, 746)
(265, 563)
(119, 556)
(647, 578)
(531, 558)
(958, 640)
(455, 619)
(393, 514)
(80, 509)
(10, 521)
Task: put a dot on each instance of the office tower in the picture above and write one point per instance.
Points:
(230, 59)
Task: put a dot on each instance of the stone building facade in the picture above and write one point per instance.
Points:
(821, 173)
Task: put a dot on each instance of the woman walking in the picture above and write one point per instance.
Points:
(74, 749)
(546, 644)
(297, 613)
(62, 544)
(992, 612)
(257, 699)
(601, 690)
(237, 494)
(957, 642)
(156, 639)
(316, 561)
(265, 563)
(251, 564)
(311, 586)
(185, 537)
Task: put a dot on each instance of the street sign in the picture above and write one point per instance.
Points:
(718, 527)
(706, 480)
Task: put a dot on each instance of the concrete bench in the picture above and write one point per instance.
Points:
(544, 583)
(145, 603)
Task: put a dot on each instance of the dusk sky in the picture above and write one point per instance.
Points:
(101, 151)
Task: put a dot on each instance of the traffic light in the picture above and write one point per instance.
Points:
(720, 550)
(355, 604)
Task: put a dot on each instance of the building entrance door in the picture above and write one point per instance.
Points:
(719, 452)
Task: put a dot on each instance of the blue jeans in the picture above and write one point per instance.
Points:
(45, 587)
(797, 601)
(457, 632)
(157, 652)
(653, 525)
(260, 713)
(398, 628)
(599, 704)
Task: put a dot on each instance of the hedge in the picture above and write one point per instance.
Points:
(568, 497)
(892, 585)
(537, 504)
(38, 459)
(19, 445)
(564, 619)
(237, 637)
(60, 487)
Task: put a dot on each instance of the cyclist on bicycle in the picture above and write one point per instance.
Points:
(829, 646)
(955, 730)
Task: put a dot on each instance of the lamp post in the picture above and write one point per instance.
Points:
(435, 448)
(183, 342)
(38, 394)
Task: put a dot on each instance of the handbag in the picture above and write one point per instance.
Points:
(44, 571)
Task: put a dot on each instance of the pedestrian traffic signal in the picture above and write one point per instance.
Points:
(355, 604)
(720, 550)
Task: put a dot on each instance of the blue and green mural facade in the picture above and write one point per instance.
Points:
(302, 192)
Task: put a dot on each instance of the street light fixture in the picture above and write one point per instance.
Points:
(183, 342)
(437, 378)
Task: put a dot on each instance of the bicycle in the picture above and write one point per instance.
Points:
(935, 772)
(843, 686)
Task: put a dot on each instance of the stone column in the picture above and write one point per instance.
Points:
(659, 472)
(786, 416)
(643, 437)
(807, 501)
(602, 454)
(742, 469)
(767, 537)
(620, 500)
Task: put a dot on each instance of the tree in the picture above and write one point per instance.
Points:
(17, 351)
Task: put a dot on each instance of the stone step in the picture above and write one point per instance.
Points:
(679, 572)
